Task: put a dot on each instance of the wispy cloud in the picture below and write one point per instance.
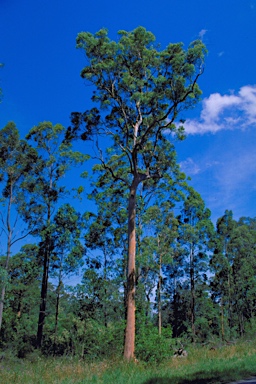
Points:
(202, 33)
(225, 112)
(235, 183)
(226, 176)
(190, 167)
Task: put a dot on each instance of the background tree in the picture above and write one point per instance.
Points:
(233, 262)
(221, 263)
(244, 272)
(17, 160)
(68, 251)
(159, 232)
(55, 160)
(140, 90)
(195, 233)
(19, 321)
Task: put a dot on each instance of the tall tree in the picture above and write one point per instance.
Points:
(159, 232)
(233, 264)
(222, 264)
(56, 159)
(67, 251)
(244, 271)
(140, 90)
(195, 233)
(17, 160)
(105, 235)
(19, 321)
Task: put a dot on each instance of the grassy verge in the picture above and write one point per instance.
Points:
(202, 366)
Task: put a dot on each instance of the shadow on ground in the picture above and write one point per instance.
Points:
(194, 379)
(160, 380)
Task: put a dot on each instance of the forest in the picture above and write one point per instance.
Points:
(150, 271)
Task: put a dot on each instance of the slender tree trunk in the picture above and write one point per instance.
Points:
(2, 304)
(8, 254)
(175, 308)
(56, 321)
(229, 286)
(159, 294)
(192, 289)
(129, 345)
(57, 312)
(222, 320)
(47, 255)
(230, 322)
(44, 286)
(42, 309)
(105, 288)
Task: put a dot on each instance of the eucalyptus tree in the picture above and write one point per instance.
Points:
(17, 159)
(140, 91)
(159, 231)
(105, 236)
(244, 272)
(68, 252)
(221, 265)
(159, 248)
(195, 234)
(19, 321)
(55, 159)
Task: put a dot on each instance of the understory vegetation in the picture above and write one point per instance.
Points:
(203, 365)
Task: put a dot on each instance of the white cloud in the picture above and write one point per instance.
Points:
(189, 167)
(225, 112)
(202, 33)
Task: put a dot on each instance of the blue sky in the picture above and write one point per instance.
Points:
(41, 79)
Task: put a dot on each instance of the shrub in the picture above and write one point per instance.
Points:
(152, 347)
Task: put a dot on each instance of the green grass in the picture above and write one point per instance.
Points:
(202, 366)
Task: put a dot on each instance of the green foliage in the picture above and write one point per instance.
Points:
(19, 320)
(55, 159)
(3, 276)
(141, 89)
(87, 339)
(225, 364)
(17, 159)
(152, 347)
(195, 234)
(233, 264)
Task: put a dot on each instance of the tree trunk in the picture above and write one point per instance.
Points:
(8, 254)
(57, 313)
(230, 322)
(222, 320)
(129, 345)
(44, 286)
(42, 309)
(105, 287)
(159, 293)
(192, 291)
(2, 304)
